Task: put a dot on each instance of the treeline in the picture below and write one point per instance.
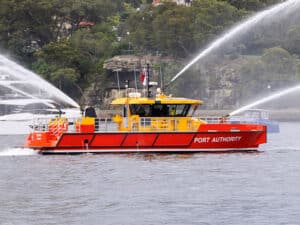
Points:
(67, 41)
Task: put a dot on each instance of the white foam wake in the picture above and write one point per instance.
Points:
(17, 152)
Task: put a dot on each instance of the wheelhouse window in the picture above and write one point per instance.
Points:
(160, 110)
(192, 110)
(179, 110)
(141, 110)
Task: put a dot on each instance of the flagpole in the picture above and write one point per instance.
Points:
(161, 79)
(148, 78)
(135, 81)
(118, 82)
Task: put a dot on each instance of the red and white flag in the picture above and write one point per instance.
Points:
(143, 76)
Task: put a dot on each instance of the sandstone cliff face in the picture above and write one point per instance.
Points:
(218, 83)
(227, 78)
(133, 62)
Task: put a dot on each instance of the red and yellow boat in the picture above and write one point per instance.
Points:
(160, 124)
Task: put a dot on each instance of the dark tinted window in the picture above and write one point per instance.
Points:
(160, 110)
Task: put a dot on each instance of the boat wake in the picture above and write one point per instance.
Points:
(271, 148)
(18, 152)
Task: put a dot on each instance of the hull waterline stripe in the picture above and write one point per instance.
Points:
(51, 151)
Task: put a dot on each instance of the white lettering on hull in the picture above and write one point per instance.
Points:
(201, 140)
(217, 139)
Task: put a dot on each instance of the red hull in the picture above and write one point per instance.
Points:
(209, 137)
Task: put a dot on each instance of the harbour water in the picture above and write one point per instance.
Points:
(229, 188)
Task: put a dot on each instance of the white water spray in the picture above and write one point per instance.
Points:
(18, 152)
(239, 29)
(13, 74)
(266, 99)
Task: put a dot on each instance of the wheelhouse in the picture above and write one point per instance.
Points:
(161, 110)
(159, 107)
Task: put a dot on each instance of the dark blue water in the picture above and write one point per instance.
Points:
(129, 189)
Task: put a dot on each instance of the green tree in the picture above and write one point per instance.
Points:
(278, 61)
(137, 30)
(26, 25)
(59, 62)
(212, 17)
(172, 30)
(64, 77)
(60, 53)
(292, 41)
(179, 30)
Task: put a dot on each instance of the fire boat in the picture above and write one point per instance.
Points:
(147, 124)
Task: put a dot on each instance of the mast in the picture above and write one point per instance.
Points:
(148, 80)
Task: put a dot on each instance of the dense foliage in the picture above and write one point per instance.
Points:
(67, 41)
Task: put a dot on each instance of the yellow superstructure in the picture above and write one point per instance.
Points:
(164, 113)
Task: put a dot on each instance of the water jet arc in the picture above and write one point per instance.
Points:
(12, 75)
(266, 99)
(238, 30)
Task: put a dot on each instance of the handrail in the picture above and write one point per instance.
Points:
(136, 124)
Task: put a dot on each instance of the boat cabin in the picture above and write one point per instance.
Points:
(256, 116)
(159, 114)
(251, 115)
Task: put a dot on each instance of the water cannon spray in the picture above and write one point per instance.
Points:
(240, 29)
(266, 99)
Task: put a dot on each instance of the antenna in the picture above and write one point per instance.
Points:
(135, 80)
(147, 80)
(118, 80)
(161, 79)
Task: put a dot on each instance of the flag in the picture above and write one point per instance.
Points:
(143, 76)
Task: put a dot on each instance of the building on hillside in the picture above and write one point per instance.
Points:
(86, 24)
(178, 2)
